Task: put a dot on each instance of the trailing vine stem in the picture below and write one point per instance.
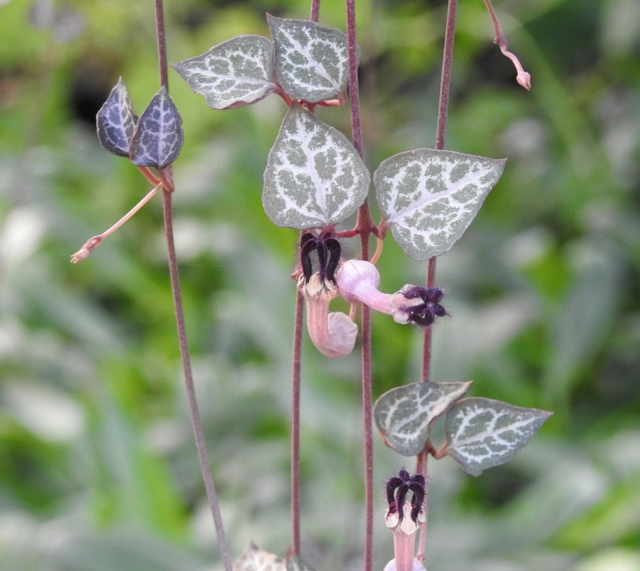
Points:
(441, 129)
(364, 226)
(188, 379)
(296, 381)
(315, 10)
(162, 44)
(179, 314)
(421, 468)
(295, 421)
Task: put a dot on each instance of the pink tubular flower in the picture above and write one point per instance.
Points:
(334, 334)
(404, 536)
(358, 282)
(405, 518)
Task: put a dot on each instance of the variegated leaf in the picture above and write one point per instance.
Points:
(482, 432)
(430, 197)
(158, 137)
(314, 177)
(294, 563)
(116, 121)
(404, 415)
(255, 559)
(234, 73)
(311, 60)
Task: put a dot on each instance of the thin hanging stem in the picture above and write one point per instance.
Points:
(295, 391)
(354, 93)
(295, 422)
(180, 321)
(162, 44)
(441, 129)
(188, 379)
(421, 468)
(315, 10)
(445, 81)
(367, 421)
(365, 226)
(428, 332)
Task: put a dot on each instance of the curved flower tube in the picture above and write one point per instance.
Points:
(405, 518)
(334, 334)
(404, 536)
(358, 283)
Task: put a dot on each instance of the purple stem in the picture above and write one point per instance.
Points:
(295, 391)
(421, 468)
(441, 129)
(295, 422)
(188, 380)
(162, 44)
(445, 82)
(364, 226)
(180, 321)
(315, 10)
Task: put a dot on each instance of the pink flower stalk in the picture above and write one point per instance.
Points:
(404, 537)
(334, 334)
(359, 280)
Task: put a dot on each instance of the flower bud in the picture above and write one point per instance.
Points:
(358, 283)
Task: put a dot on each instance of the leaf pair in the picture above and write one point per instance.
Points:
(152, 140)
(306, 60)
(315, 178)
(480, 432)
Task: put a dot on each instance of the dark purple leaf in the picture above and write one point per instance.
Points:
(116, 121)
(158, 137)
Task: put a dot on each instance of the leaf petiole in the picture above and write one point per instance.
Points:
(152, 178)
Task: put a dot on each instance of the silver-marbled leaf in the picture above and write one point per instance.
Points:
(430, 197)
(232, 74)
(158, 137)
(311, 61)
(314, 177)
(116, 121)
(482, 432)
(255, 559)
(404, 415)
(294, 563)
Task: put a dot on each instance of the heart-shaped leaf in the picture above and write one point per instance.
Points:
(404, 415)
(430, 197)
(255, 559)
(116, 121)
(314, 177)
(158, 137)
(311, 61)
(482, 432)
(234, 73)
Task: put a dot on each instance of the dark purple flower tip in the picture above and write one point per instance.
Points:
(397, 489)
(424, 313)
(328, 252)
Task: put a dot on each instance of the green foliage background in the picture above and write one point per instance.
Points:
(98, 470)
